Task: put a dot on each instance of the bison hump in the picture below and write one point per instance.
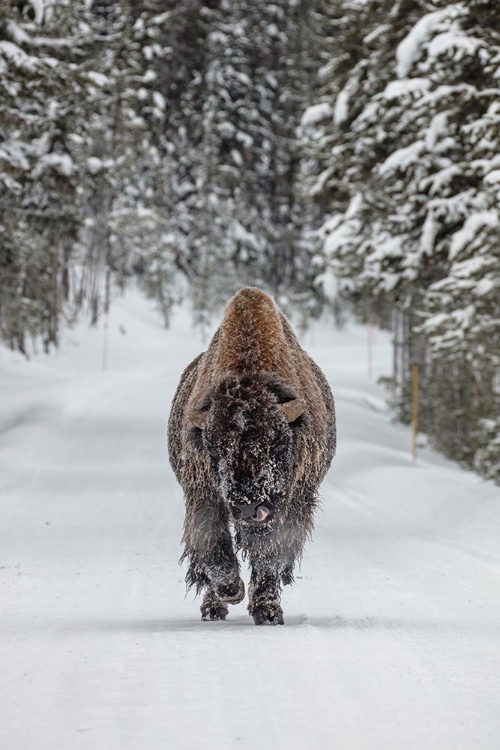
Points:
(251, 333)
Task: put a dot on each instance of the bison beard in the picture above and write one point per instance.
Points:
(251, 436)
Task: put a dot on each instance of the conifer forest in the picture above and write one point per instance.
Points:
(343, 155)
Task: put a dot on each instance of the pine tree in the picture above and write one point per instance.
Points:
(152, 138)
(37, 169)
(80, 164)
(229, 147)
(411, 161)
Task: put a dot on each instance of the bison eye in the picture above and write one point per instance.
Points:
(279, 448)
(196, 435)
(211, 453)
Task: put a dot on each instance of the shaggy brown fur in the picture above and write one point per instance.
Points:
(251, 436)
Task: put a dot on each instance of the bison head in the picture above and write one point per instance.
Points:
(249, 429)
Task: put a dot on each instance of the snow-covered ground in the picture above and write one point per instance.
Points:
(392, 635)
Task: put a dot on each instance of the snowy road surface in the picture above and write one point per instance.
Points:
(392, 635)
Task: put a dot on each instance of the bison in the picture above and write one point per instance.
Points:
(251, 436)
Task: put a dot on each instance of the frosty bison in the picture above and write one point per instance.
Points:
(251, 436)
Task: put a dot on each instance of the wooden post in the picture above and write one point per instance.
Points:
(395, 355)
(369, 332)
(105, 343)
(414, 418)
(105, 347)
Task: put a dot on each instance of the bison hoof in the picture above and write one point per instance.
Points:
(270, 614)
(231, 593)
(214, 611)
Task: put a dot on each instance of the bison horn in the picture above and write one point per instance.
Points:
(197, 417)
(293, 409)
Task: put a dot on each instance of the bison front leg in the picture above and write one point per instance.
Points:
(212, 607)
(264, 593)
(213, 566)
(272, 558)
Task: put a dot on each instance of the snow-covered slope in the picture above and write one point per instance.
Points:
(392, 635)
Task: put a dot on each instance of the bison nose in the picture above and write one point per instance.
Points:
(243, 511)
(250, 511)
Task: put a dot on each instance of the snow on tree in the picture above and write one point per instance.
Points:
(78, 161)
(229, 144)
(36, 169)
(157, 138)
(411, 169)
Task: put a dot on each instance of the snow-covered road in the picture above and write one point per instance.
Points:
(392, 635)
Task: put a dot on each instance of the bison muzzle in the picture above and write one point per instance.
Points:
(251, 436)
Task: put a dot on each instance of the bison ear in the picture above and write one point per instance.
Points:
(293, 409)
(197, 417)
